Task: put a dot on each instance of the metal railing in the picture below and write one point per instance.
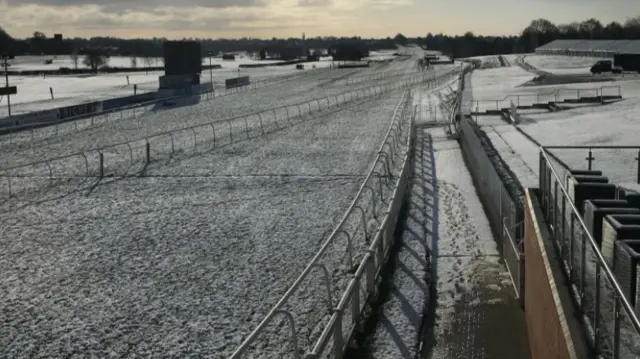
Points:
(501, 207)
(620, 163)
(556, 95)
(140, 108)
(389, 173)
(81, 123)
(118, 157)
(504, 214)
(377, 76)
(612, 327)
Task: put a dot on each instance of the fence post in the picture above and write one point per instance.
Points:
(148, 152)
(590, 159)
(638, 167)
(101, 165)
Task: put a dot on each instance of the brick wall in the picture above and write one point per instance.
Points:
(547, 326)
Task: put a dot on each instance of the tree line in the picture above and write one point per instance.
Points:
(537, 33)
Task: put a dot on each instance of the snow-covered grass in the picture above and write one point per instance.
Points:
(292, 92)
(496, 84)
(162, 120)
(33, 91)
(38, 62)
(590, 124)
(518, 152)
(21, 63)
(556, 64)
(185, 265)
(611, 125)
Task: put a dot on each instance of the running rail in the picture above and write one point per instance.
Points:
(260, 83)
(277, 309)
(555, 94)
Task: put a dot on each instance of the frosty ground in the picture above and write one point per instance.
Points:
(33, 91)
(48, 145)
(186, 259)
(611, 124)
(448, 287)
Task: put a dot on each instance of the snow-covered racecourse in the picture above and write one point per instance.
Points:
(176, 232)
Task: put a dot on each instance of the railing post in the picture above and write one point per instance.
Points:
(596, 310)
(148, 152)
(590, 159)
(338, 341)
(571, 246)
(616, 327)
(101, 165)
(583, 272)
(638, 167)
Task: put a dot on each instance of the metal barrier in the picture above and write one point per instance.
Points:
(378, 76)
(502, 208)
(141, 107)
(75, 124)
(504, 213)
(612, 327)
(189, 139)
(392, 157)
(552, 96)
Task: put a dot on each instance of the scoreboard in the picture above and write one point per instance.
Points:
(182, 57)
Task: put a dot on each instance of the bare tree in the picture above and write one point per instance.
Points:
(148, 62)
(95, 60)
(75, 58)
(134, 62)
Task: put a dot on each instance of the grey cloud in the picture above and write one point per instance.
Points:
(315, 2)
(121, 5)
(100, 21)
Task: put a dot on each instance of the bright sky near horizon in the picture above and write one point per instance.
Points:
(284, 18)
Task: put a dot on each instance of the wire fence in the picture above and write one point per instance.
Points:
(128, 158)
(365, 234)
(612, 326)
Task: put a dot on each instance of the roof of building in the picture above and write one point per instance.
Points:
(617, 46)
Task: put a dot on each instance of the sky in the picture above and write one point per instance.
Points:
(176, 19)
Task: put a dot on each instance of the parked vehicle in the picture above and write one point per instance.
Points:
(605, 66)
(628, 62)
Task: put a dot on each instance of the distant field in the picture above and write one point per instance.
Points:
(21, 63)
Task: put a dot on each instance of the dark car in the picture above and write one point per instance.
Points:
(602, 66)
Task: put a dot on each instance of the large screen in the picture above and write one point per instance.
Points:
(182, 57)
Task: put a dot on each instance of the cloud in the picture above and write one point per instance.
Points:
(315, 2)
(191, 18)
(140, 4)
